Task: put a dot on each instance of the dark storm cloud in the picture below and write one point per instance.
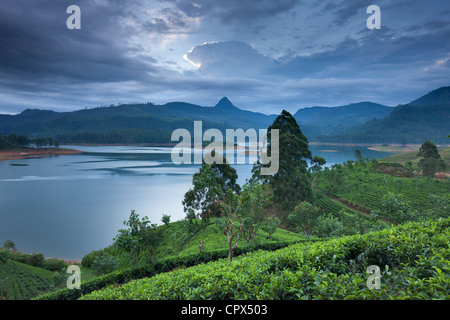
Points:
(234, 11)
(269, 54)
(370, 53)
(36, 44)
(348, 9)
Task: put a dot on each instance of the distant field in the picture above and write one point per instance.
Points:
(412, 156)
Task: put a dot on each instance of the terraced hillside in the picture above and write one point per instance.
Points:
(362, 186)
(414, 260)
(19, 281)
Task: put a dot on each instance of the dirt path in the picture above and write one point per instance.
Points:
(343, 202)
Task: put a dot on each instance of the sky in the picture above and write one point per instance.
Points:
(264, 55)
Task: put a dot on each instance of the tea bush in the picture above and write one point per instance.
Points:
(19, 281)
(174, 262)
(414, 259)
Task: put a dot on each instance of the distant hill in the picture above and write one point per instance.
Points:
(130, 123)
(426, 118)
(436, 98)
(365, 122)
(331, 120)
(147, 122)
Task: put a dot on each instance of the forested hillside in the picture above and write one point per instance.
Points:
(365, 122)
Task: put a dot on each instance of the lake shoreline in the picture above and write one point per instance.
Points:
(27, 153)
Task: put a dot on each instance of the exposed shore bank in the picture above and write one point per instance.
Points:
(27, 153)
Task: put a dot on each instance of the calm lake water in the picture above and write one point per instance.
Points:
(68, 206)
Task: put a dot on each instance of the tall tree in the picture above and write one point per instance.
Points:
(431, 161)
(291, 183)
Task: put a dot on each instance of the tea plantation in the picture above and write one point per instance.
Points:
(414, 259)
(19, 281)
(413, 254)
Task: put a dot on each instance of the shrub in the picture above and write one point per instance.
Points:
(105, 264)
(54, 264)
(165, 219)
(394, 208)
(35, 259)
(328, 226)
(89, 259)
(5, 255)
(304, 217)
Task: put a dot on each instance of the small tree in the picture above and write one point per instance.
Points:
(431, 161)
(165, 219)
(140, 235)
(408, 165)
(9, 245)
(270, 225)
(210, 187)
(358, 155)
(229, 207)
(304, 218)
(317, 163)
(250, 210)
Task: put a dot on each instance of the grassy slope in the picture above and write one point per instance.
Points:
(417, 256)
(177, 242)
(23, 281)
(412, 156)
(171, 256)
(213, 239)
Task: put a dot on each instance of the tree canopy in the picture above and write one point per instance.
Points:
(431, 161)
(140, 235)
(210, 187)
(291, 183)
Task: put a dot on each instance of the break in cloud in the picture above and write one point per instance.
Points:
(263, 55)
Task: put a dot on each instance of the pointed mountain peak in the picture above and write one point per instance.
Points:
(225, 104)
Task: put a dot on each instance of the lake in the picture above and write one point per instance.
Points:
(68, 206)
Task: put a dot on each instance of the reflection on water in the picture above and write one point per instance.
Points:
(67, 206)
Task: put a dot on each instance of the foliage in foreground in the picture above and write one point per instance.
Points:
(414, 259)
(183, 260)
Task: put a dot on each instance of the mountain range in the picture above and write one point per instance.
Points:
(424, 118)
(427, 118)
